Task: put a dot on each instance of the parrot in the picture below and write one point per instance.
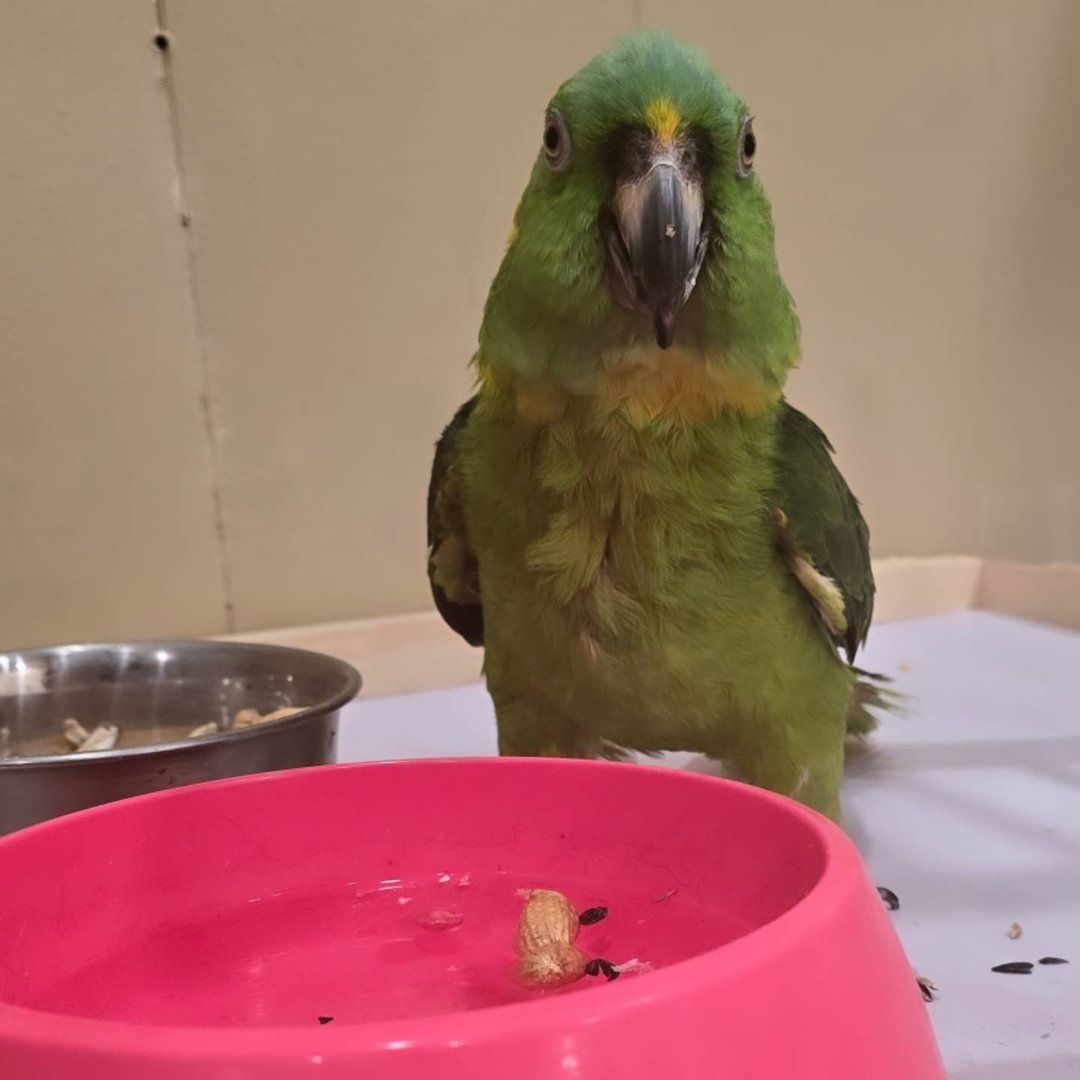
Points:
(654, 548)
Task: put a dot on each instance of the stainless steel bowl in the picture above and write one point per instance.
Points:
(156, 693)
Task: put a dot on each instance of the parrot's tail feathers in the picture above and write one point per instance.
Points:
(873, 696)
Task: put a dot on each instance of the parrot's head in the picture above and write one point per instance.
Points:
(643, 225)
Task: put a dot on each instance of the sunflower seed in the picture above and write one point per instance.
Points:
(607, 969)
(891, 900)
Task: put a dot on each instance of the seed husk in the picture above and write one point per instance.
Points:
(592, 915)
(890, 899)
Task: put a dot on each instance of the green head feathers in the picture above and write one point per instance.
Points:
(643, 225)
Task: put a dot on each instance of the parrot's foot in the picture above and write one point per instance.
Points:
(521, 734)
(813, 781)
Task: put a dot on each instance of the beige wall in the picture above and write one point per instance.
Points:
(230, 425)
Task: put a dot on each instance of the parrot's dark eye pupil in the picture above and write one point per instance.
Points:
(558, 149)
(747, 147)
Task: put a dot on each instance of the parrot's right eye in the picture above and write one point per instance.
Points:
(747, 147)
(558, 149)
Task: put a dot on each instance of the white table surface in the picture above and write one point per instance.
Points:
(968, 807)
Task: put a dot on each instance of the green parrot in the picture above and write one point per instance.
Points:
(655, 550)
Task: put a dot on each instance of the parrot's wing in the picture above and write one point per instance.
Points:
(822, 531)
(452, 568)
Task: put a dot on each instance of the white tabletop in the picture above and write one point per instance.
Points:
(968, 807)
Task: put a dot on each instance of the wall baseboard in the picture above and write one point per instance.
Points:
(1048, 592)
(910, 587)
(400, 654)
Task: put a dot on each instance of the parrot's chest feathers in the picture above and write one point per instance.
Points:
(625, 511)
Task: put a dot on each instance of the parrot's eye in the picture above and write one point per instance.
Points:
(558, 150)
(747, 147)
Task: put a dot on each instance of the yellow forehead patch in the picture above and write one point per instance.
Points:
(663, 119)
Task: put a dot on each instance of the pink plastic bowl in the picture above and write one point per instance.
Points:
(204, 932)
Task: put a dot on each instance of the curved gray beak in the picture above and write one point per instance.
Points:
(656, 242)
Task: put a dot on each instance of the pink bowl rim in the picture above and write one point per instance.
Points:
(842, 875)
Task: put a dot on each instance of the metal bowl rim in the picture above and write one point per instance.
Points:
(353, 683)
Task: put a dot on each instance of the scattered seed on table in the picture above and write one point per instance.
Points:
(592, 915)
(1015, 931)
(1052, 960)
(324, 1020)
(926, 987)
(667, 896)
(1014, 967)
(891, 900)
(592, 967)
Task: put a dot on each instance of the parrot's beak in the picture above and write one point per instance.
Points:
(655, 241)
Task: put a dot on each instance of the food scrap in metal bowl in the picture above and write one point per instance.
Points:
(74, 733)
(250, 717)
(103, 737)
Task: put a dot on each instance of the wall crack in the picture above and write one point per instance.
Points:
(211, 424)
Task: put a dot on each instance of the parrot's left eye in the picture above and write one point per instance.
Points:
(747, 147)
(558, 149)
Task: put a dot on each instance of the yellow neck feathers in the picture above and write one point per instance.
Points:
(675, 385)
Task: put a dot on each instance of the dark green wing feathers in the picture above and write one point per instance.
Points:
(452, 569)
(821, 524)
